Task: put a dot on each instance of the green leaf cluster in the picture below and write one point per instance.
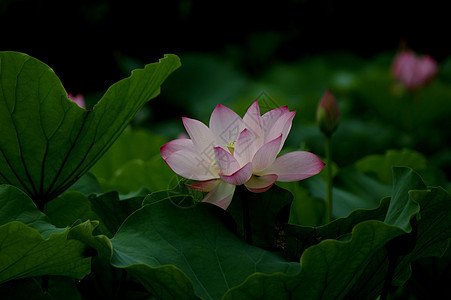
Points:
(130, 229)
(48, 142)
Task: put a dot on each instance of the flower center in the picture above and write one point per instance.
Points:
(231, 147)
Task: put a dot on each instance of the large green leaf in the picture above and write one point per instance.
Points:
(68, 208)
(48, 142)
(381, 165)
(351, 190)
(31, 246)
(87, 185)
(134, 162)
(296, 239)
(111, 211)
(153, 175)
(305, 210)
(352, 261)
(180, 253)
(179, 194)
(133, 144)
(259, 215)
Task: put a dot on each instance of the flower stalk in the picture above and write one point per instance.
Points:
(327, 117)
(246, 221)
(328, 150)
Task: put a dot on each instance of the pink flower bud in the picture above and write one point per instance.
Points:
(79, 99)
(413, 71)
(327, 114)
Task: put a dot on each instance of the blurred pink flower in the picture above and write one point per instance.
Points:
(182, 135)
(79, 99)
(413, 71)
(234, 151)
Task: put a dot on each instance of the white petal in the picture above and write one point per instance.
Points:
(202, 137)
(245, 147)
(281, 126)
(270, 118)
(266, 155)
(221, 196)
(176, 145)
(239, 177)
(252, 121)
(205, 186)
(225, 124)
(225, 161)
(190, 165)
(295, 166)
(260, 184)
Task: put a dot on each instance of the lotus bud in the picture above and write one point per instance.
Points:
(327, 114)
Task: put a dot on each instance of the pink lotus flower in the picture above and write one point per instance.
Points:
(234, 151)
(413, 71)
(79, 99)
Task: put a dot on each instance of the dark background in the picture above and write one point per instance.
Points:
(82, 40)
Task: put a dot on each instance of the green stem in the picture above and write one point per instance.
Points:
(40, 204)
(246, 221)
(120, 293)
(411, 105)
(392, 260)
(411, 102)
(329, 178)
(45, 283)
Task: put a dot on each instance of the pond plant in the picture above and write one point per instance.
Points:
(93, 207)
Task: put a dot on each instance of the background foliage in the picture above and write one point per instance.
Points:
(127, 227)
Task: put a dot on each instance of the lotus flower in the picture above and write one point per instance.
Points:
(234, 151)
(413, 71)
(79, 99)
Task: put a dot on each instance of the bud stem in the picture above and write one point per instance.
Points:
(328, 145)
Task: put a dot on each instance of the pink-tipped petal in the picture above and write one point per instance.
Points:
(266, 155)
(79, 99)
(202, 137)
(260, 184)
(252, 121)
(295, 166)
(239, 177)
(425, 69)
(205, 186)
(270, 118)
(221, 196)
(176, 145)
(191, 165)
(402, 65)
(281, 126)
(225, 161)
(286, 129)
(245, 147)
(225, 124)
(428, 66)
